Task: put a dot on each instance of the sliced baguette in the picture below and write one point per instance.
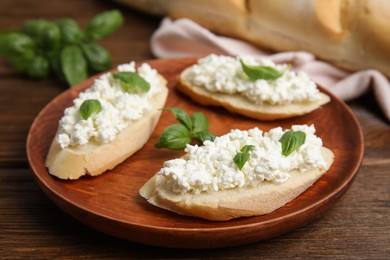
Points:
(93, 158)
(228, 204)
(241, 105)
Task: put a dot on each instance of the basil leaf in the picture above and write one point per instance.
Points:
(89, 107)
(174, 137)
(260, 72)
(188, 128)
(98, 58)
(19, 64)
(291, 141)
(70, 31)
(247, 148)
(240, 159)
(55, 63)
(104, 24)
(204, 135)
(17, 45)
(38, 68)
(73, 64)
(181, 116)
(35, 28)
(131, 82)
(199, 122)
(45, 33)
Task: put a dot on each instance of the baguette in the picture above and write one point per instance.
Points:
(236, 202)
(95, 158)
(350, 34)
(240, 104)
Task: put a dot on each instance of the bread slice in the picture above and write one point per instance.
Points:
(241, 105)
(93, 158)
(233, 203)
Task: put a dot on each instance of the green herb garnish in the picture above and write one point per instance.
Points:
(103, 24)
(43, 47)
(174, 137)
(260, 72)
(131, 82)
(291, 141)
(73, 64)
(243, 156)
(177, 136)
(89, 107)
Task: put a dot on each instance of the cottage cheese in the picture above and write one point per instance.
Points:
(119, 109)
(224, 74)
(211, 168)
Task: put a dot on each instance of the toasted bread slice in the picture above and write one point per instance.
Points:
(233, 203)
(241, 105)
(93, 158)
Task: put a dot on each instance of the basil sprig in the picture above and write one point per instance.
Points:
(89, 107)
(291, 141)
(131, 82)
(260, 72)
(61, 48)
(243, 156)
(177, 136)
(73, 64)
(103, 25)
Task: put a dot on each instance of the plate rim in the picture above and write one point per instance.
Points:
(339, 190)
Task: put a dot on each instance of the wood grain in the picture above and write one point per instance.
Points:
(32, 227)
(111, 202)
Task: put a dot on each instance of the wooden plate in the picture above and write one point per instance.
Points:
(110, 202)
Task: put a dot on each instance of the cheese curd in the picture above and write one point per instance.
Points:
(224, 74)
(211, 168)
(119, 109)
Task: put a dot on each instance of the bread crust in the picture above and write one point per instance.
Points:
(94, 159)
(241, 105)
(350, 34)
(233, 203)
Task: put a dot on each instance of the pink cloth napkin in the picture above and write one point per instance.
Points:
(184, 38)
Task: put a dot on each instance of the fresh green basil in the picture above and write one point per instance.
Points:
(55, 66)
(57, 44)
(196, 126)
(291, 141)
(247, 148)
(19, 64)
(174, 137)
(38, 68)
(240, 159)
(104, 24)
(45, 33)
(202, 136)
(243, 156)
(131, 82)
(98, 58)
(73, 64)
(17, 45)
(260, 72)
(70, 31)
(89, 107)
(181, 116)
(199, 122)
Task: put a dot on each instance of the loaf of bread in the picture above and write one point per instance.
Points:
(241, 104)
(353, 35)
(94, 158)
(191, 199)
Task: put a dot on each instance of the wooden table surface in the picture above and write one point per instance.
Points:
(31, 226)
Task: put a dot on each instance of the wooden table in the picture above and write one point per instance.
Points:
(358, 226)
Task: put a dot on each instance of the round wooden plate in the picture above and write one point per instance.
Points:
(110, 202)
